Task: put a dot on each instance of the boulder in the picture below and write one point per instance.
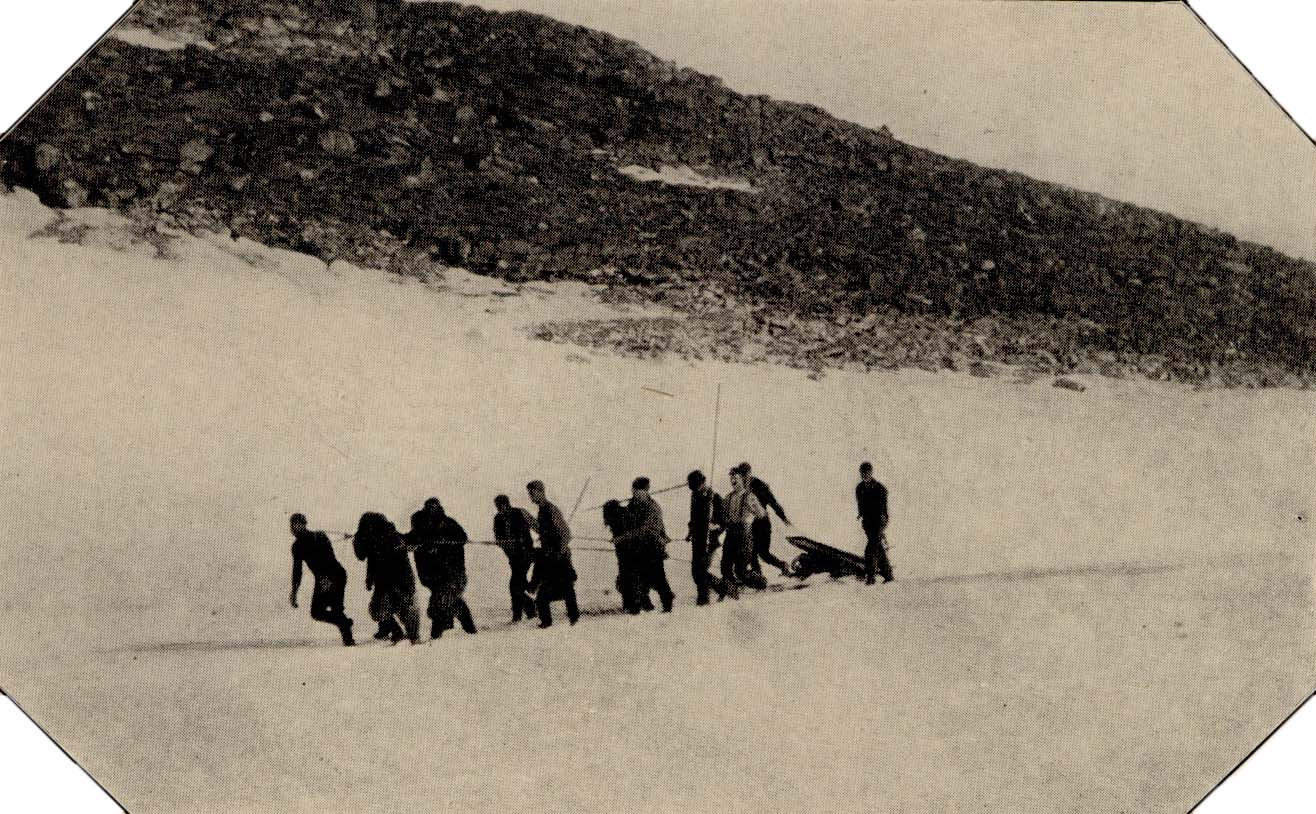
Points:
(47, 157)
(72, 194)
(337, 143)
(196, 151)
(1068, 384)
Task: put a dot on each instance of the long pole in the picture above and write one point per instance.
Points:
(717, 416)
(579, 498)
(652, 492)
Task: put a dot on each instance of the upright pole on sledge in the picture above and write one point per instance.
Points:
(717, 415)
(579, 498)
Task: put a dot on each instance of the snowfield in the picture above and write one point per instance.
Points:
(1104, 599)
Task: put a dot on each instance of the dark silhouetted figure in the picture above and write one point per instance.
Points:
(389, 576)
(649, 536)
(554, 577)
(708, 516)
(762, 528)
(314, 549)
(512, 527)
(439, 545)
(618, 521)
(871, 497)
(742, 510)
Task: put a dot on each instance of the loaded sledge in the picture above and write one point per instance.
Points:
(820, 558)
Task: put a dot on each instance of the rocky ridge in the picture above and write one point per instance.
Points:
(442, 134)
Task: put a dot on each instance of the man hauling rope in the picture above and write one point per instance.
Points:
(389, 577)
(439, 545)
(761, 530)
(649, 536)
(314, 549)
(742, 509)
(708, 517)
(512, 527)
(555, 576)
(630, 586)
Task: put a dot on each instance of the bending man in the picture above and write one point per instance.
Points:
(314, 549)
(439, 543)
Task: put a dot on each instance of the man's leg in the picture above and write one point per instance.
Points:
(410, 613)
(515, 593)
(521, 572)
(434, 612)
(630, 602)
(870, 554)
(323, 608)
(882, 562)
(729, 567)
(328, 602)
(658, 579)
(699, 571)
(747, 566)
(545, 607)
(641, 580)
(464, 616)
(573, 612)
(383, 619)
(762, 530)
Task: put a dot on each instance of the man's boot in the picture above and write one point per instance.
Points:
(464, 617)
(573, 612)
(345, 629)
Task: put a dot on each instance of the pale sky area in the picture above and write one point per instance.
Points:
(1136, 101)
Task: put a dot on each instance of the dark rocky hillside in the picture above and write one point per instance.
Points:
(444, 133)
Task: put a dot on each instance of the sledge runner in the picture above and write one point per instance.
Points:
(439, 544)
(389, 576)
(555, 577)
(314, 549)
(707, 519)
(512, 533)
(762, 528)
(742, 510)
(633, 598)
(649, 536)
(871, 497)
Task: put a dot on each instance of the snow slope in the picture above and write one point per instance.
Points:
(1104, 599)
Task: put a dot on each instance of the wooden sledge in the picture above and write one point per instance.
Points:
(820, 558)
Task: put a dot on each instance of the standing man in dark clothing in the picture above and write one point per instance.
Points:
(762, 528)
(314, 549)
(870, 495)
(555, 577)
(618, 521)
(708, 516)
(389, 576)
(649, 536)
(512, 533)
(439, 543)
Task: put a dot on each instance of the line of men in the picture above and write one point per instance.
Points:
(437, 543)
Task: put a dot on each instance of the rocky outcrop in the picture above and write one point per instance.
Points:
(497, 141)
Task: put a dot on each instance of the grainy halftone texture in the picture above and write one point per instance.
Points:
(1104, 583)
